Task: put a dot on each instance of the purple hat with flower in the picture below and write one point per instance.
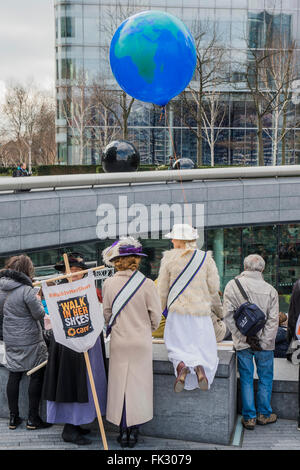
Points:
(126, 246)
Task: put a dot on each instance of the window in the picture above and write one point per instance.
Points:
(68, 69)
(289, 269)
(262, 241)
(67, 27)
(226, 246)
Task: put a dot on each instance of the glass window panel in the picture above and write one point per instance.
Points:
(262, 241)
(238, 156)
(256, 4)
(222, 148)
(289, 268)
(67, 27)
(238, 113)
(291, 147)
(267, 144)
(251, 120)
(226, 247)
(239, 29)
(271, 5)
(188, 145)
(251, 147)
(207, 4)
(256, 30)
(223, 26)
(154, 249)
(239, 4)
(91, 24)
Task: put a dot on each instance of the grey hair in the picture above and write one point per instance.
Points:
(254, 263)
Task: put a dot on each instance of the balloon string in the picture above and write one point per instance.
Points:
(176, 159)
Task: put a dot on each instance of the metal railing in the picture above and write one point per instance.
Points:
(140, 177)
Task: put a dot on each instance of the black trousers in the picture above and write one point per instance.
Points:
(34, 392)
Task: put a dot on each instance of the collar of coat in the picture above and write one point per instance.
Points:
(252, 274)
(16, 276)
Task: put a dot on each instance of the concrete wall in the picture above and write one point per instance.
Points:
(190, 415)
(41, 219)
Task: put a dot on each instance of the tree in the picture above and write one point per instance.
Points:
(209, 75)
(268, 74)
(213, 113)
(279, 78)
(24, 109)
(78, 110)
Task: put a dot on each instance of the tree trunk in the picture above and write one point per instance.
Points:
(199, 131)
(261, 159)
(283, 140)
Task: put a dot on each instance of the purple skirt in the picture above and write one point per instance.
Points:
(83, 413)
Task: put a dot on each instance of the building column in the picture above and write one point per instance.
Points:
(218, 249)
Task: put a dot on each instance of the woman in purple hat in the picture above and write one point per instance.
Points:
(132, 310)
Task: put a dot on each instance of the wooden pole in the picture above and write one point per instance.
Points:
(32, 371)
(68, 275)
(90, 373)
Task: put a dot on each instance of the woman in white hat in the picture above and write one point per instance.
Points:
(188, 283)
(132, 310)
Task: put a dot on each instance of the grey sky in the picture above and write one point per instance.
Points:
(27, 42)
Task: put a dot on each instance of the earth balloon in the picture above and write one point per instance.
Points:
(153, 56)
(119, 156)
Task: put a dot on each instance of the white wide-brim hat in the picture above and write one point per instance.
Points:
(183, 232)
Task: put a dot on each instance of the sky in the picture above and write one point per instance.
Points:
(27, 43)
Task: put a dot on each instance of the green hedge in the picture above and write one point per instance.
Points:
(45, 170)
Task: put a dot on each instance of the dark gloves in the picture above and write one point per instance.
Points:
(253, 343)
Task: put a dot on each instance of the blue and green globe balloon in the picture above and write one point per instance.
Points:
(153, 56)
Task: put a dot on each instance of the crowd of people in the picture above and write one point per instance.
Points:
(184, 306)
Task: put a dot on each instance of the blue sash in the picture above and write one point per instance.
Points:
(184, 278)
(124, 295)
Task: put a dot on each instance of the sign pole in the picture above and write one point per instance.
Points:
(90, 374)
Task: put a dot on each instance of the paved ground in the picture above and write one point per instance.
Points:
(282, 435)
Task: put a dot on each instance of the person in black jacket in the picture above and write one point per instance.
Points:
(21, 312)
(66, 387)
(293, 314)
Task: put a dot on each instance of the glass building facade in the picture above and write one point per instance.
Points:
(83, 32)
(279, 245)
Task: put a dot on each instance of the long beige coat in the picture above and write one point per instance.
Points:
(130, 361)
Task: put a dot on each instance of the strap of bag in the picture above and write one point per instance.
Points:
(124, 295)
(242, 291)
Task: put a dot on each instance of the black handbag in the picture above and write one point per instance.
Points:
(249, 318)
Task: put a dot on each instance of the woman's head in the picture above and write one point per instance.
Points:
(22, 264)
(127, 262)
(184, 244)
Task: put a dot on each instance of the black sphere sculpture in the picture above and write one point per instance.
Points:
(119, 156)
(183, 164)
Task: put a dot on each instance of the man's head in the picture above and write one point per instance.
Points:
(254, 263)
(23, 166)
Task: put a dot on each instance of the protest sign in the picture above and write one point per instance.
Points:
(75, 313)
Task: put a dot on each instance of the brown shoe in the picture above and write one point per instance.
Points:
(202, 379)
(249, 423)
(182, 372)
(262, 419)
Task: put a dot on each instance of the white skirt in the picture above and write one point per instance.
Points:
(192, 339)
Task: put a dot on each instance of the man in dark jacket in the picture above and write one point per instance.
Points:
(65, 384)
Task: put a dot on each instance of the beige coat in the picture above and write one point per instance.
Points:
(130, 360)
(201, 293)
(262, 294)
